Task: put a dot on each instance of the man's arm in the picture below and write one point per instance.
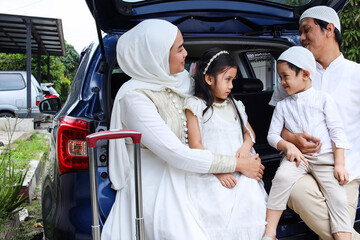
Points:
(306, 143)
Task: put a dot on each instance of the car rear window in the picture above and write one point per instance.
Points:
(264, 66)
(11, 81)
(293, 3)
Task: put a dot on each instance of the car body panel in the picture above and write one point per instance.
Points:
(244, 17)
(15, 100)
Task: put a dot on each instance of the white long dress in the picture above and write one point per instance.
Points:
(237, 213)
(168, 213)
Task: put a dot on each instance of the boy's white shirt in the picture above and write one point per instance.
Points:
(312, 112)
(341, 79)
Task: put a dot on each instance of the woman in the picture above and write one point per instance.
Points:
(152, 54)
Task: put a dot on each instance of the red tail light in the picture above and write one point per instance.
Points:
(71, 144)
(38, 98)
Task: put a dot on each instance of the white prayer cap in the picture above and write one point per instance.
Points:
(323, 13)
(300, 57)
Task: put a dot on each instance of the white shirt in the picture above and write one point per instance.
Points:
(312, 112)
(341, 79)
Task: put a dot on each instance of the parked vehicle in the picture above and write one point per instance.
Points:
(13, 96)
(49, 91)
(255, 32)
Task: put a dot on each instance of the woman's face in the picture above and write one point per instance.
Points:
(177, 55)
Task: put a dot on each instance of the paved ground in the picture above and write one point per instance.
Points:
(4, 136)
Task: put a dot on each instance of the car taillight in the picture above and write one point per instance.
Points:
(38, 99)
(50, 96)
(71, 144)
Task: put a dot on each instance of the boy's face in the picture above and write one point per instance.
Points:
(291, 82)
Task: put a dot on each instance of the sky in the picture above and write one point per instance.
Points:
(78, 24)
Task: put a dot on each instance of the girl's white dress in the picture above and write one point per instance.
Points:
(237, 213)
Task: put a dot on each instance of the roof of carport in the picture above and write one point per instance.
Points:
(47, 35)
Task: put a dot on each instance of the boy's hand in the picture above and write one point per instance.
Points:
(294, 154)
(226, 179)
(341, 174)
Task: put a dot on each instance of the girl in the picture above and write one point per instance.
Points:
(231, 205)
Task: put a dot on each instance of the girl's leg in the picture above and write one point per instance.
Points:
(272, 220)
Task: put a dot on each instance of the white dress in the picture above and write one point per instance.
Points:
(238, 213)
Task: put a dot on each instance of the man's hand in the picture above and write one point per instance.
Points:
(250, 167)
(306, 143)
(341, 174)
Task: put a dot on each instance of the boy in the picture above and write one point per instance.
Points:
(313, 112)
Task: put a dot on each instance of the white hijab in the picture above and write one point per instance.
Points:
(143, 54)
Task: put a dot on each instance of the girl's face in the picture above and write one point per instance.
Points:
(177, 55)
(222, 85)
(291, 82)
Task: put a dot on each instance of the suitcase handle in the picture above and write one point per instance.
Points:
(112, 134)
(91, 142)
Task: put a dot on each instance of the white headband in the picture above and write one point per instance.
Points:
(323, 13)
(300, 57)
(212, 59)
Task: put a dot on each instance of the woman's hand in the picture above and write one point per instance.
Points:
(250, 166)
(341, 174)
(226, 179)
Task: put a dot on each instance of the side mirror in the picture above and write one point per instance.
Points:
(50, 105)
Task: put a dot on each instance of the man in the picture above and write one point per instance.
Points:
(320, 32)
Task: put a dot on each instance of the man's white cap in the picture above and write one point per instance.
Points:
(300, 57)
(323, 13)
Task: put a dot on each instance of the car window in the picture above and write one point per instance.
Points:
(293, 3)
(11, 81)
(264, 67)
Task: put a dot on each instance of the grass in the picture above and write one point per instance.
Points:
(21, 153)
(28, 149)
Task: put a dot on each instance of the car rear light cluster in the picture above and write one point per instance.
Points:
(38, 99)
(71, 144)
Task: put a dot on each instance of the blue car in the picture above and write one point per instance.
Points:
(253, 31)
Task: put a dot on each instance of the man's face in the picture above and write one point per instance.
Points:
(312, 37)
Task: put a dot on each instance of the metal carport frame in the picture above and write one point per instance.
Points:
(27, 35)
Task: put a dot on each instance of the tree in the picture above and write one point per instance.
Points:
(70, 61)
(350, 23)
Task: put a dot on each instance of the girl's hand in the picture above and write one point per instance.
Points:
(226, 179)
(294, 154)
(341, 174)
(243, 152)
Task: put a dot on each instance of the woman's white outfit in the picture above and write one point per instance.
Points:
(231, 214)
(152, 103)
